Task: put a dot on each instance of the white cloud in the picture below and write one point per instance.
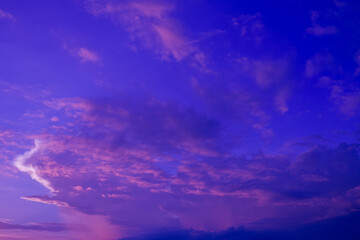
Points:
(46, 201)
(21, 165)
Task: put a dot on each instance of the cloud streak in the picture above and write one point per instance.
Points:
(6, 15)
(21, 164)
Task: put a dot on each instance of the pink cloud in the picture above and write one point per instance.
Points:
(87, 55)
(152, 9)
(162, 161)
(84, 54)
(84, 226)
(150, 23)
(174, 44)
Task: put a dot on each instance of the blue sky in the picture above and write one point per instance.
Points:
(192, 119)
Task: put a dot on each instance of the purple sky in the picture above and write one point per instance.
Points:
(179, 119)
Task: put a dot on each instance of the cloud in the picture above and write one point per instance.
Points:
(75, 226)
(52, 227)
(318, 30)
(281, 101)
(21, 165)
(6, 15)
(151, 24)
(86, 55)
(174, 44)
(146, 156)
(147, 163)
(271, 75)
(336, 228)
(234, 102)
(347, 100)
(88, 226)
(321, 31)
(45, 200)
(320, 64)
(339, 4)
(338, 164)
(344, 94)
(251, 27)
(268, 72)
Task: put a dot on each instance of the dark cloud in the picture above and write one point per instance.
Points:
(345, 227)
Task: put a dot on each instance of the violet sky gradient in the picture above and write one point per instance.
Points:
(179, 119)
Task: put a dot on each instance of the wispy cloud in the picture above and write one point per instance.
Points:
(52, 227)
(45, 200)
(6, 15)
(150, 23)
(85, 55)
(281, 101)
(321, 63)
(21, 164)
(345, 96)
(251, 27)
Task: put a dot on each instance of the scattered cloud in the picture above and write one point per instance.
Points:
(154, 152)
(118, 166)
(150, 23)
(251, 27)
(344, 95)
(320, 64)
(317, 30)
(346, 99)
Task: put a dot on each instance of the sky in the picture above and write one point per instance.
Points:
(179, 119)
